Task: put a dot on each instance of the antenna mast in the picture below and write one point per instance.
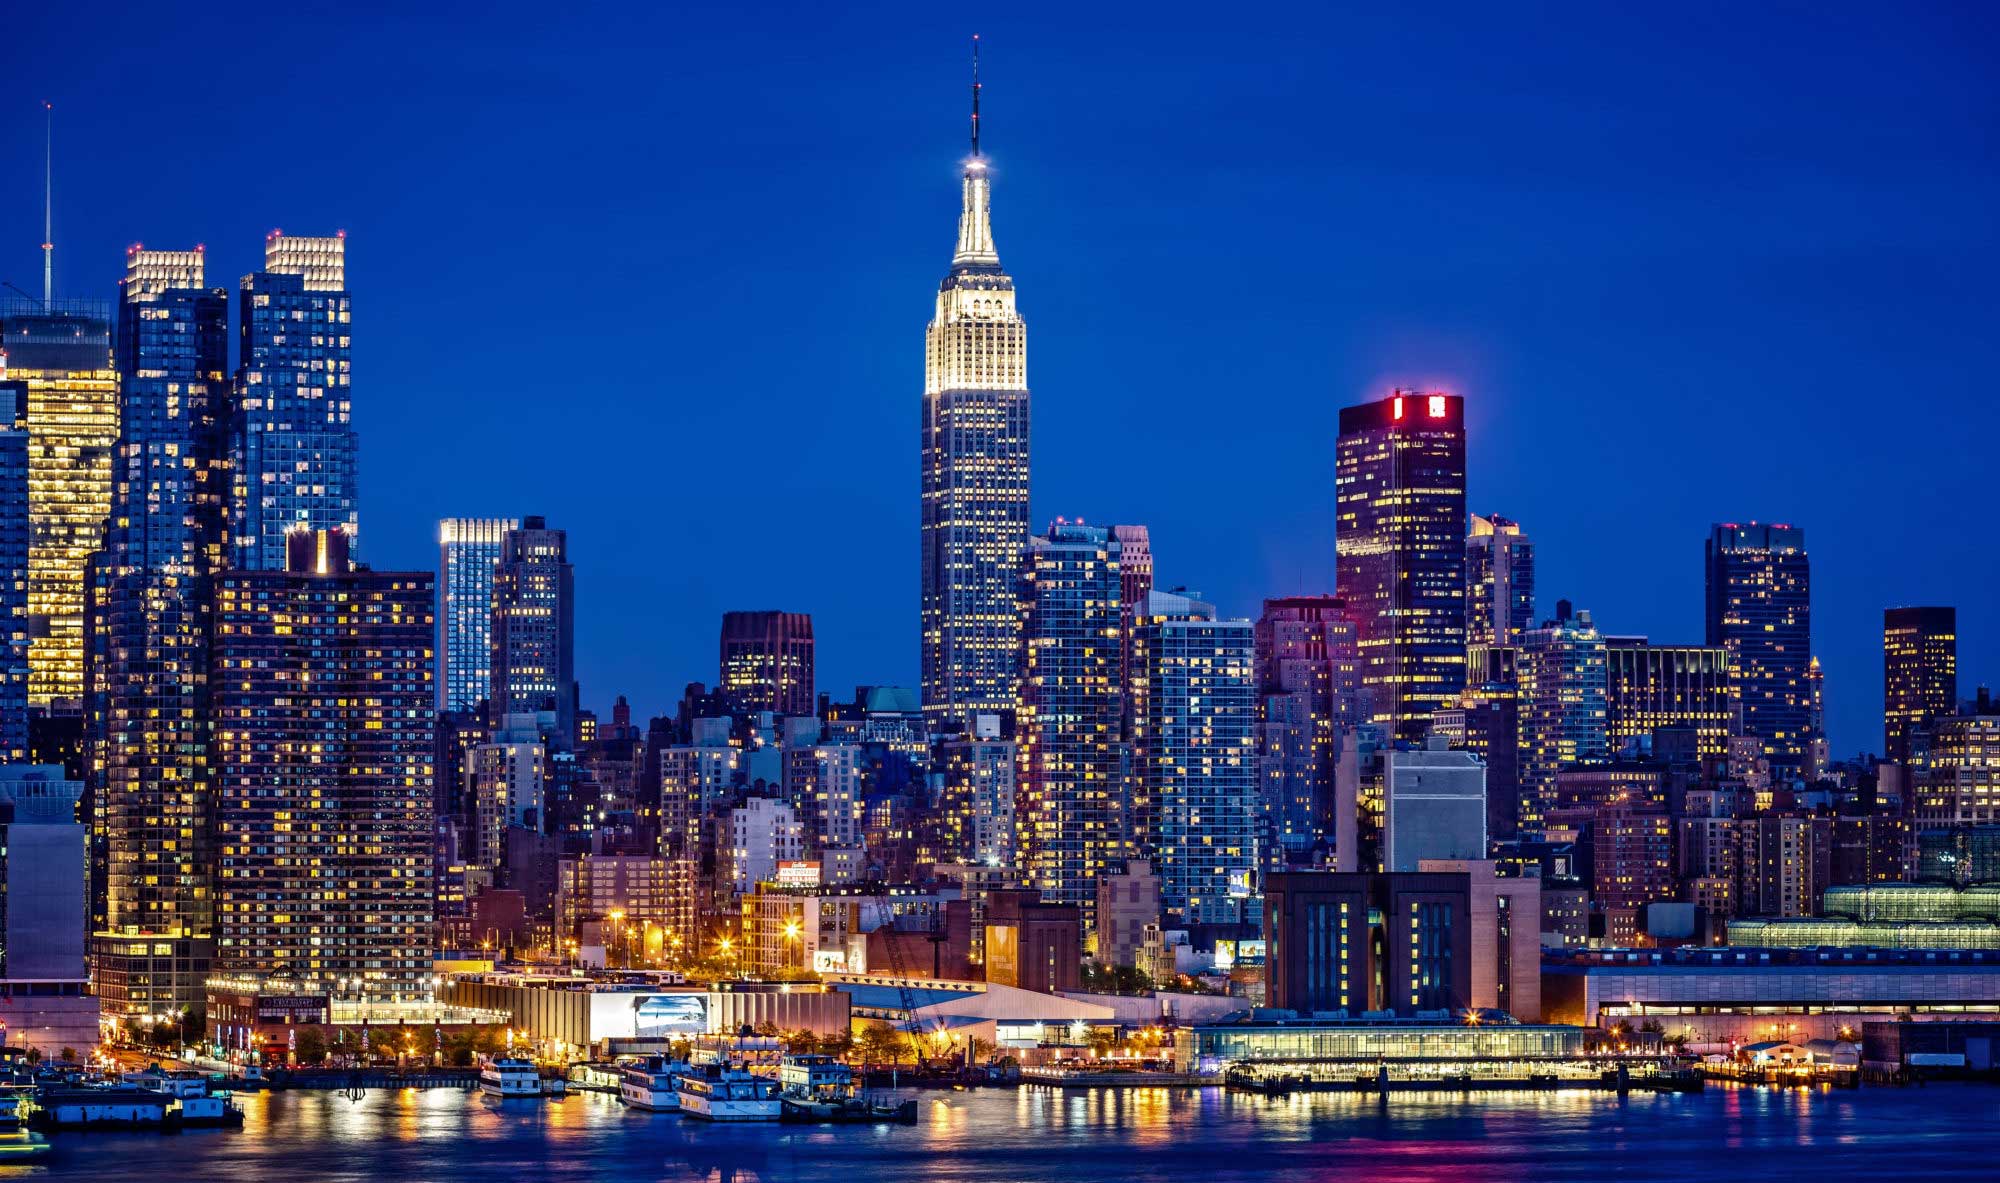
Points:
(48, 207)
(975, 96)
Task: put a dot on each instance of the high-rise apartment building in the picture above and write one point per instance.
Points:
(976, 802)
(1192, 804)
(1759, 608)
(1499, 581)
(292, 441)
(1561, 711)
(61, 351)
(13, 570)
(767, 661)
(1306, 681)
(974, 512)
(1400, 542)
(1647, 687)
(325, 711)
(151, 599)
(534, 627)
(1071, 821)
(468, 550)
(1919, 676)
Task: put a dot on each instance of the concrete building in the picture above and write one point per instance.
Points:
(1648, 687)
(1716, 996)
(1561, 668)
(1031, 943)
(1434, 806)
(325, 729)
(1919, 677)
(534, 628)
(1307, 676)
(1505, 914)
(504, 783)
(763, 834)
(630, 887)
(45, 1000)
(1128, 901)
(13, 569)
(1355, 942)
(976, 797)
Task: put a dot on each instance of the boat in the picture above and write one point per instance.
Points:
(818, 1088)
(210, 1112)
(509, 1077)
(10, 1110)
(652, 1084)
(727, 1092)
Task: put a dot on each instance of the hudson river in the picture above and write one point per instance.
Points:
(1883, 1135)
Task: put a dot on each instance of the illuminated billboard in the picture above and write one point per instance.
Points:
(662, 1016)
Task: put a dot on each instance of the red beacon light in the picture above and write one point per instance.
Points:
(1398, 410)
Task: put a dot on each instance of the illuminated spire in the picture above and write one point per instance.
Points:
(48, 206)
(975, 220)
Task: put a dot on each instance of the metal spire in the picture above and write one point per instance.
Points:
(48, 208)
(975, 96)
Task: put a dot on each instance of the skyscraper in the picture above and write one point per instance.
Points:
(325, 711)
(292, 441)
(1759, 608)
(1561, 710)
(1071, 821)
(1306, 681)
(151, 598)
(468, 548)
(1193, 791)
(1499, 582)
(974, 513)
(1647, 687)
(61, 350)
(1400, 541)
(13, 569)
(534, 627)
(1919, 676)
(767, 661)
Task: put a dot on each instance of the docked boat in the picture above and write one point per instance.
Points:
(214, 1111)
(817, 1088)
(726, 1092)
(508, 1077)
(10, 1110)
(652, 1084)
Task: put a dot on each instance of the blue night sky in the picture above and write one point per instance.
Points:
(662, 275)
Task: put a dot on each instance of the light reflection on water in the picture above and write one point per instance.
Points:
(1098, 1135)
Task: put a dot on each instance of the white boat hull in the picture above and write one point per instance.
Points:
(651, 1100)
(709, 1109)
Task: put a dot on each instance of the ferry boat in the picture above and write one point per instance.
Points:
(652, 1084)
(507, 1077)
(726, 1092)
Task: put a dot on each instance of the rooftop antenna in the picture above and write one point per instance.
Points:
(975, 96)
(48, 207)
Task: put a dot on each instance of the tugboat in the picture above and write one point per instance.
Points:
(509, 1077)
(722, 1091)
(652, 1084)
(821, 1089)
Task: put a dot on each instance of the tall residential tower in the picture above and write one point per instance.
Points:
(1759, 608)
(292, 440)
(468, 549)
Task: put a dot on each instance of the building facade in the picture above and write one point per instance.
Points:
(468, 549)
(151, 602)
(1071, 818)
(1919, 677)
(534, 627)
(1499, 581)
(1759, 608)
(1307, 674)
(1400, 545)
(292, 441)
(61, 352)
(325, 714)
(1355, 942)
(1192, 805)
(1562, 709)
(974, 509)
(1647, 687)
(14, 530)
(767, 661)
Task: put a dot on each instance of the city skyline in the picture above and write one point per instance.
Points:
(1270, 537)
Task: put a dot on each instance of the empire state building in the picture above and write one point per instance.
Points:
(975, 470)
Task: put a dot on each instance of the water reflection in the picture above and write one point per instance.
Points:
(1104, 1136)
